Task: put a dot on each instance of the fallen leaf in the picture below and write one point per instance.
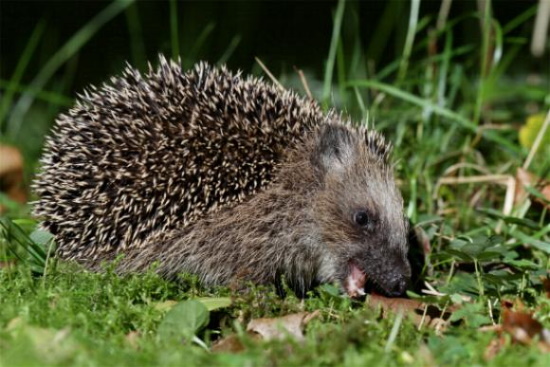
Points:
(277, 328)
(494, 348)
(422, 314)
(10, 160)
(132, 338)
(281, 327)
(520, 325)
(11, 174)
(525, 179)
(423, 239)
(546, 286)
(8, 264)
(522, 328)
(230, 344)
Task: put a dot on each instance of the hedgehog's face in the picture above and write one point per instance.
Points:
(359, 212)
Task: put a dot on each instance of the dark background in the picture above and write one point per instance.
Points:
(282, 34)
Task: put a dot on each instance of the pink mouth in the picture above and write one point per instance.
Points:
(355, 281)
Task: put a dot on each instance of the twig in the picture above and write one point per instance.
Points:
(506, 180)
(432, 291)
(457, 166)
(304, 82)
(271, 76)
(540, 31)
(443, 14)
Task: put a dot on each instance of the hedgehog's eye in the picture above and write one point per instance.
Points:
(362, 219)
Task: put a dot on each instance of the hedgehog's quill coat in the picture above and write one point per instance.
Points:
(225, 177)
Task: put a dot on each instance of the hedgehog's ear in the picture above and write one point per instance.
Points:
(335, 149)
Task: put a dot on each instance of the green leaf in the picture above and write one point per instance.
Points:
(461, 283)
(329, 289)
(543, 246)
(461, 255)
(41, 237)
(457, 299)
(488, 255)
(536, 193)
(458, 243)
(481, 248)
(426, 219)
(510, 220)
(471, 314)
(17, 239)
(522, 264)
(524, 222)
(184, 321)
(215, 303)
(473, 249)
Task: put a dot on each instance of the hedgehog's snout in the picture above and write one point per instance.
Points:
(398, 285)
(392, 276)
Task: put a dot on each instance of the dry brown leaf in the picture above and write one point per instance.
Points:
(277, 328)
(424, 240)
(546, 286)
(520, 325)
(492, 328)
(11, 174)
(420, 313)
(522, 328)
(525, 178)
(8, 264)
(494, 348)
(281, 327)
(229, 344)
(10, 159)
(132, 339)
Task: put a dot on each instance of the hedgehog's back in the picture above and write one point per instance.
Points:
(156, 152)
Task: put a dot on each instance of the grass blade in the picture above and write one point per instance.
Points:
(445, 112)
(69, 49)
(331, 60)
(16, 238)
(136, 37)
(12, 85)
(409, 41)
(230, 49)
(174, 35)
(44, 95)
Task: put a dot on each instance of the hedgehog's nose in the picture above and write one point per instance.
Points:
(398, 286)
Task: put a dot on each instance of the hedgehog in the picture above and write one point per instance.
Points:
(223, 176)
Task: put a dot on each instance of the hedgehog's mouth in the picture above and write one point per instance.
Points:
(358, 282)
(355, 281)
